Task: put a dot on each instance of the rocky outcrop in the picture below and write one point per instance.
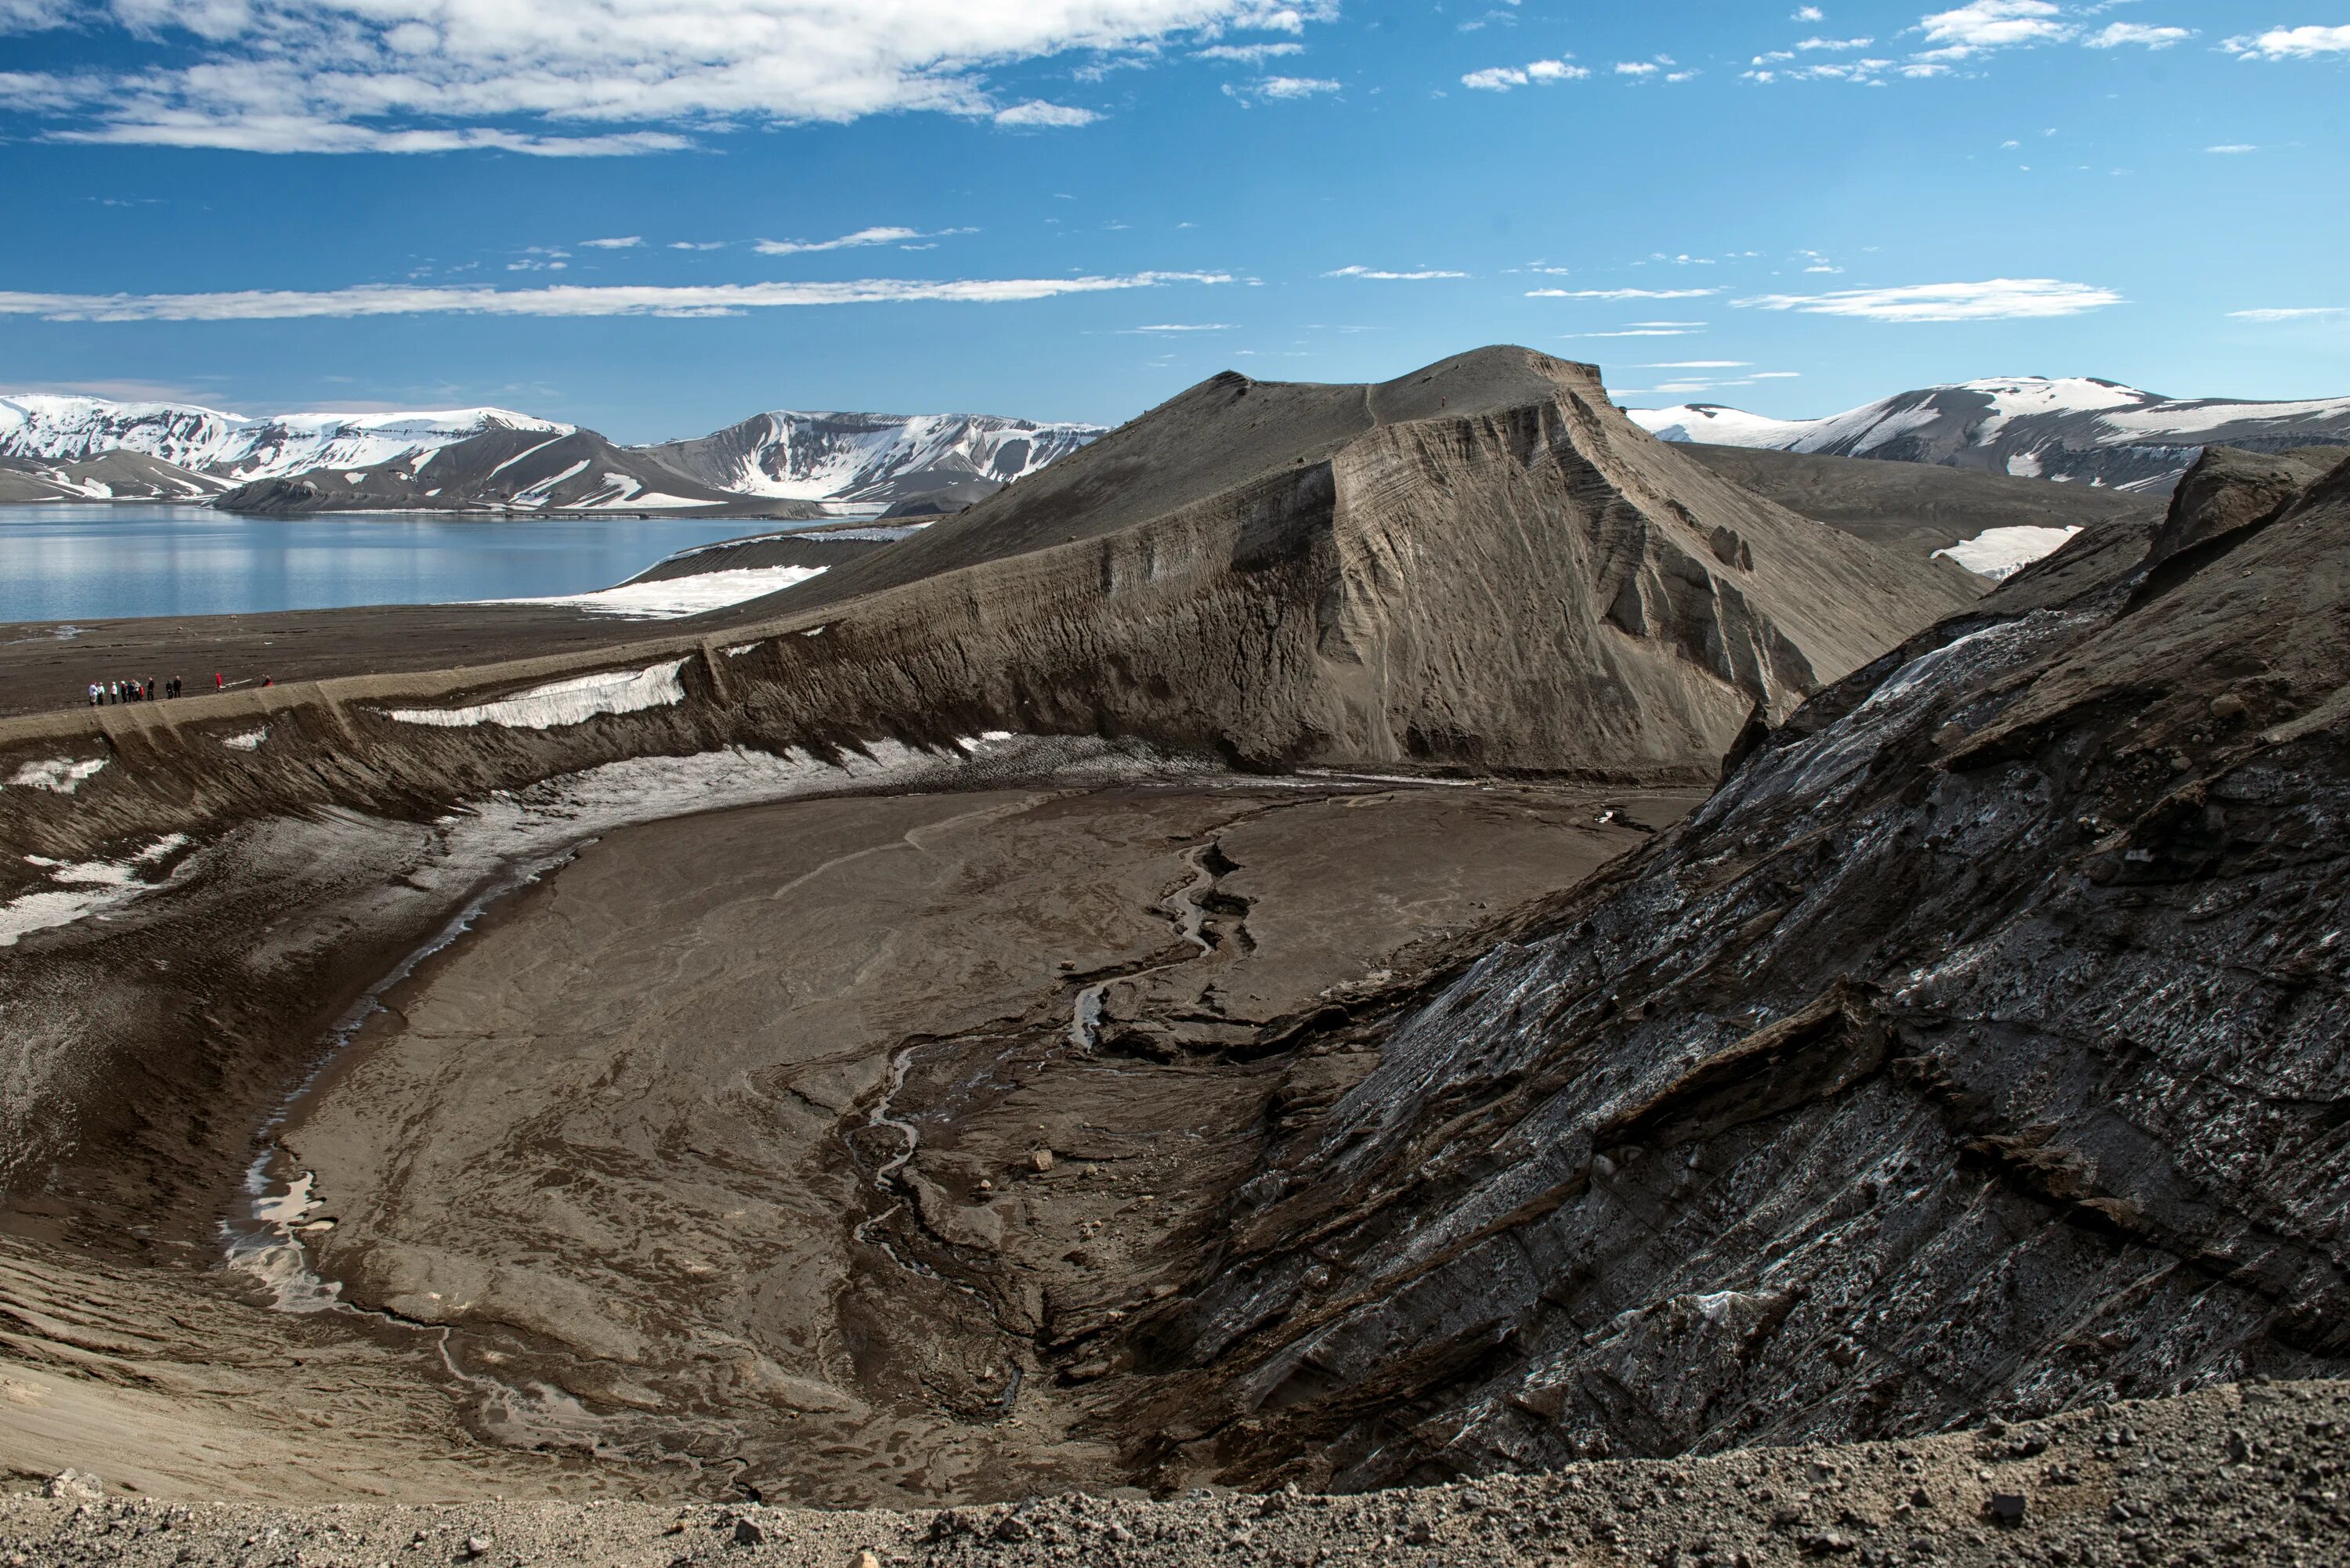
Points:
(1980, 1047)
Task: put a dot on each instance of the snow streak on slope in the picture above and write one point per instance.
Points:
(232, 446)
(2073, 429)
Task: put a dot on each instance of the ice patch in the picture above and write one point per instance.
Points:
(81, 889)
(563, 702)
(62, 776)
(250, 740)
(673, 597)
(2003, 552)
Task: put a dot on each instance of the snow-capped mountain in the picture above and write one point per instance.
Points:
(870, 459)
(500, 470)
(235, 447)
(2075, 429)
(469, 458)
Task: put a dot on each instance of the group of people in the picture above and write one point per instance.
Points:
(106, 693)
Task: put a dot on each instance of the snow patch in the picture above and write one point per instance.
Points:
(2003, 552)
(563, 702)
(673, 597)
(79, 890)
(250, 740)
(61, 776)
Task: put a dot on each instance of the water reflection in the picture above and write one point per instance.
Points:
(93, 563)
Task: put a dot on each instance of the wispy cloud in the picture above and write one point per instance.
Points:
(2117, 33)
(2233, 149)
(1037, 114)
(1697, 365)
(1248, 54)
(1281, 88)
(1378, 275)
(573, 300)
(1171, 327)
(601, 77)
(1620, 293)
(623, 243)
(1994, 300)
(2290, 313)
(891, 235)
(1501, 78)
(2290, 44)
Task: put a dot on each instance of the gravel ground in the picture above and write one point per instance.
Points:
(2234, 1475)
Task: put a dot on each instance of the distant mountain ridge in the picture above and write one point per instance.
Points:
(865, 459)
(781, 463)
(2078, 430)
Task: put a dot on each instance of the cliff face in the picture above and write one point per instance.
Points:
(1978, 1046)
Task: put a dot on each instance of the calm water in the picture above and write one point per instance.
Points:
(94, 563)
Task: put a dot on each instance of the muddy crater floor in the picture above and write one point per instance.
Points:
(812, 1151)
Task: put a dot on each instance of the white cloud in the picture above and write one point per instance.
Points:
(1249, 54)
(2295, 313)
(624, 243)
(2119, 33)
(1993, 24)
(1294, 86)
(1391, 276)
(1996, 299)
(1185, 327)
(563, 300)
(1037, 112)
(1620, 293)
(1697, 365)
(891, 235)
(2233, 148)
(1808, 14)
(1635, 68)
(2290, 42)
(1501, 78)
(589, 77)
(1809, 44)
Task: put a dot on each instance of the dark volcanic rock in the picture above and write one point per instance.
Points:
(1980, 1046)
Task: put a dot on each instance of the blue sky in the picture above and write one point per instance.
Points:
(1073, 209)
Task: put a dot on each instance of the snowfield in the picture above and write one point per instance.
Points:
(675, 596)
(562, 702)
(2003, 552)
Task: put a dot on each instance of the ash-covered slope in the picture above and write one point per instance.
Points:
(500, 470)
(2077, 429)
(1480, 562)
(1924, 509)
(867, 459)
(1980, 1046)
